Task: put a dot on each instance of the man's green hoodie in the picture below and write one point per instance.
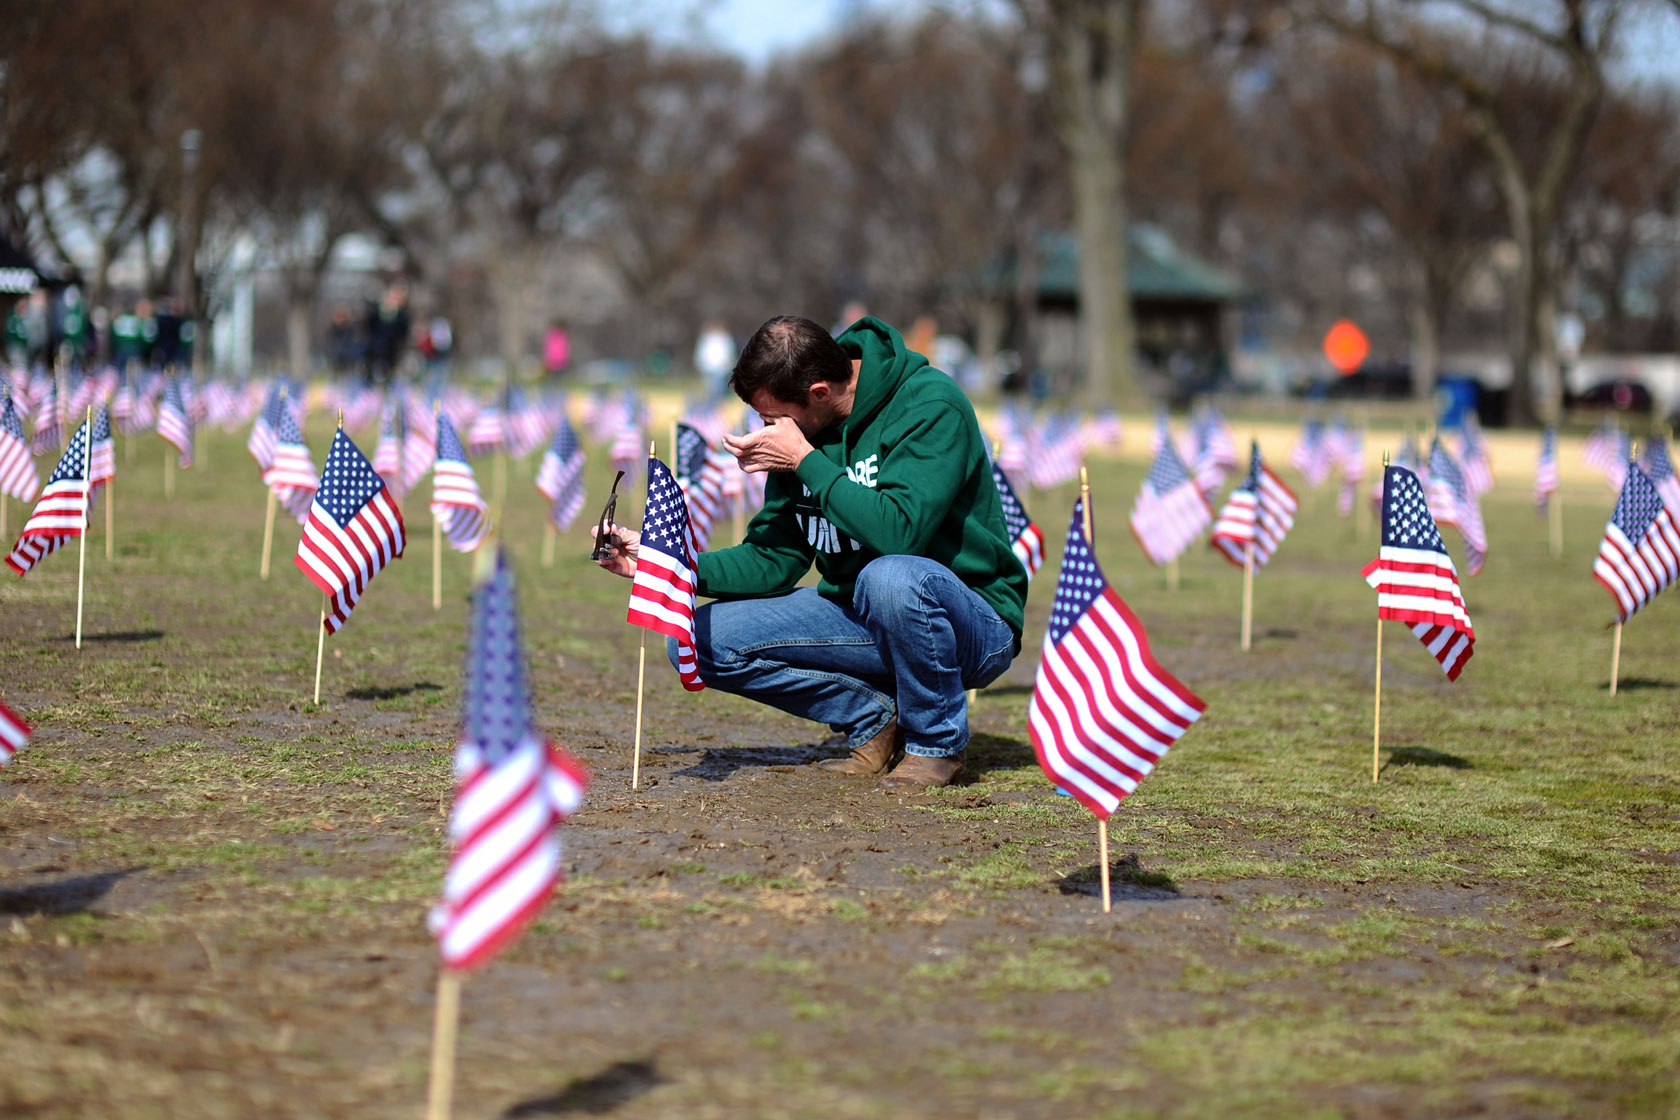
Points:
(905, 474)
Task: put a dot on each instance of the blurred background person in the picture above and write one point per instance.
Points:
(714, 358)
(557, 350)
(387, 332)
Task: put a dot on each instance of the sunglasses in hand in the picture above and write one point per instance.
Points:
(605, 542)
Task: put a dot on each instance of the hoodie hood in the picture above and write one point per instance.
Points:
(887, 364)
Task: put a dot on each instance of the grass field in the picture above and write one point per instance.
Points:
(212, 893)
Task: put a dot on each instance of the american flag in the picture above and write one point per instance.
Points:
(488, 433)
(460, 509)
(628, 446)
(173, 423)
(1414, 577)
(662, 595)
(354, 529)
(61, 514)
(1056, 449)
(387, 453)
(1607, 451)
(17, 465)
(699, 473)
(560, 476)
(1453, 502)
(420, 441)
(1312, 454)
(266, 425)
(14, 734)
(1409, 457)
(221, 404)
(291, 472)
(1103, 711)
(513, 787)
(1659, 468)
(1546, 470)
(707, 419)
(527, 427)
(122, 404)
(45, 436)
(1258, 512)
(146, 404)
(1640, 553)
(1215, 457)
(102, 468)
(1473, 458)
(1024, 537)
(1353, 470)
(1170, 512)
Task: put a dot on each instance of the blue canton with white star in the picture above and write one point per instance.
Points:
(448, 443)
(1168, 473)
(691, 452)
(102, 425)
(496, 703)
(172, 397)
(1441, 466)
(9, 422)
(1015, 518)
(1406, 519)
(565, 441)
(1252, 482)
(1638, 506)
(70, 464)
(348, 481)
(1657, 464)
(1548, 444)
(287, 430)
(665, 522)
(1080, 582)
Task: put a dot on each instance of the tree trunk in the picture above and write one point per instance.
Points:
(1426, 347)
(1094, 41)
(299, 304)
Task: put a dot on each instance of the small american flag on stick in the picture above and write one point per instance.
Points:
(1453, 501)
(291, 471)
(560, 476)
(17, 463)
(460, 509)
(1659, 468)
(1103, 711)
(1546, 470)
(387, 453)
(513, 787)
(1259, 512)
(61, 513)
(14, 734)
(662, 595)
(699, 474)
(1170, 513)
(1025, 540)
(174, 422)
(1640, 553)
(102, 464)
(353, 530)
(1414, 577)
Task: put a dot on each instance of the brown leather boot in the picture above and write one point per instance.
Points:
(917, 771)
(871, 758)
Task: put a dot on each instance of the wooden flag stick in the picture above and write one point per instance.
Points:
(641, 679)
(1102, 824)
(1554, 515)
(168, 470)
(110, 517)
(320, 649)
(443, 1044)
(268, 532)
(1248, 593)
(549, 533)
(1172, 574)
(1376, 721)
(1102, 862)
(1615, 659)
(87, 523)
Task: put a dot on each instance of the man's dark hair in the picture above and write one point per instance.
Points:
(785, 357)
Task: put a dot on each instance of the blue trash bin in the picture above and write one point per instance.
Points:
(1455, 399)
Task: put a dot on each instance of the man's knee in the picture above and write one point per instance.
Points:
(890, 587)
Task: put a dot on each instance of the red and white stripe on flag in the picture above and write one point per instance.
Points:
(506, 855)
(1261, 511)
(14, 734)
(1639, 555)
(17, 469)
(1103, 710)
(61, 511)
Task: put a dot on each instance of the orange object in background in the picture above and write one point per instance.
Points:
(1346, 346)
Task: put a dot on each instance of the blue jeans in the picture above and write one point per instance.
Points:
(912, 640)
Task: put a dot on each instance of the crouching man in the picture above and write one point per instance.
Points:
(878, 472)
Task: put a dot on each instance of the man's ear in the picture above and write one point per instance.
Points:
(820, 392)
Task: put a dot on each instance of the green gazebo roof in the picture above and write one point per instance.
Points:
(1156, 268)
